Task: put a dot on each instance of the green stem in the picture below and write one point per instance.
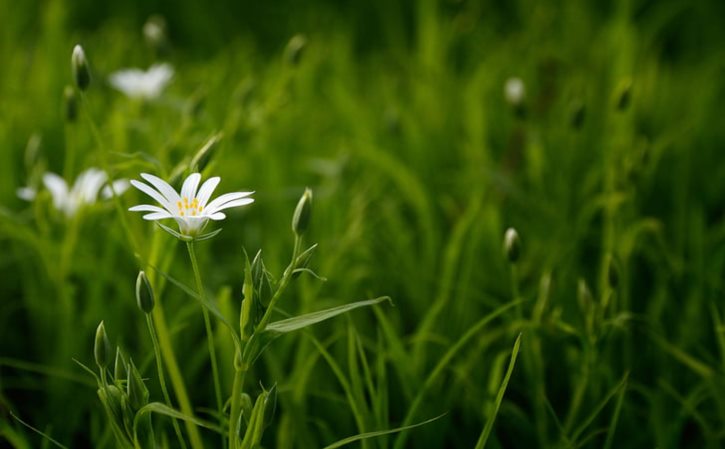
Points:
(237, 390)
(209, 334)
(286, 278)
(162, 379)
(177, 382)
(106, 167)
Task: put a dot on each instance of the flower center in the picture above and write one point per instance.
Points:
(189, 208)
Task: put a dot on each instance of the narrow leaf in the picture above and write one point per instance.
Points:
(499, 396)
(308, 319)
(378, 433)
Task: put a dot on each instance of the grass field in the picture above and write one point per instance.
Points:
(602, 328)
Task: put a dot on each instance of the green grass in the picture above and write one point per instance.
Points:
(395, 117)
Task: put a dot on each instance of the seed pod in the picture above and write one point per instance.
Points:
(144, 293)
(301, 217)
(512, 245)
(70, 104)
(102, 347)
(81, 72)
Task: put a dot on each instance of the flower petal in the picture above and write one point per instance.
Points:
(58, 189)
(206, 190)
(119, 186)
(217, 216)
(153, 194)
(163, 187)
(188, 190)
(233, 203)
(157, 216)
(146, 208)
(88, 184)
(227, 197)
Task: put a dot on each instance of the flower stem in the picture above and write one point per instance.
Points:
(209, 333)
(167, 351)
(237, 390)
(162, 379)
(283, 283)
(106, 167)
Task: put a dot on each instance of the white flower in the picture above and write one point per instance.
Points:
(136, 83)
(84, 191)
(191, 208)
(515, 91)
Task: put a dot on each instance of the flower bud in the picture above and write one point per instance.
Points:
(102, 347)
(154, 32)
(301, 217)
(144, 293)
(138, 394)
(295, 48)
(70, 104)
(512, 245)
(515, 94)
(113, 399)
(81, 72)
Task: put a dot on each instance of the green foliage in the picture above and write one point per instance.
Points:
(609, 165)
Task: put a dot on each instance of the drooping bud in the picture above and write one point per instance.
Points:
(295, 49)
(70, 104)
(138, 394)
(102, 347)
(81, 72)
(512, 245)
(144, 293)
(301, 217)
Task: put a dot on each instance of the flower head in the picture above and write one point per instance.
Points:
(191, 208)
(136, 83)
(84, 192)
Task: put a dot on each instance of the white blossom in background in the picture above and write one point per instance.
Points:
(514, 91)
(190, 208)
(85, 190)
(136, 83)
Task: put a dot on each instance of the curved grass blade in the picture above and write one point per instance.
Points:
(499, 396)
(47, 437)
(378, 433)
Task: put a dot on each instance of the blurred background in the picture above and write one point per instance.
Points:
(425, 129)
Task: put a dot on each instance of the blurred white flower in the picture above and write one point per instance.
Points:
(136, 83)
(514, 91)
(84, 192)
(191, 208)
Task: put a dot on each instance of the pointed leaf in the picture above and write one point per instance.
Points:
(308, 319)
(378, 433)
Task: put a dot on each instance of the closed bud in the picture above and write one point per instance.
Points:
(295, 48)
(70, 104)
(515, 94)
(154, 32)
(81, 72)
(102, 347)
(301, 217)
(113, 398)
(512, 245)
(144, 293)
(138, 394)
